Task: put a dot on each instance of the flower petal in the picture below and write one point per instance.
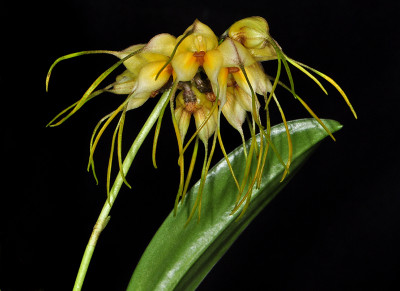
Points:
(124, 83)
(138, 100)
(159, 47)
(245, 99)
(256, 74)
(212, 65)
(233, 111)
(264, 54)
(182, 116)
(209, 128)
(222, 85)
(146, 81)
(162, 44)
(235, 54)
(242, 82)
(185, 66)
(258, 80)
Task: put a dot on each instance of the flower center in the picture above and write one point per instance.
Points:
(199, 57)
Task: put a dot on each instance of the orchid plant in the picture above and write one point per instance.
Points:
(201, 75)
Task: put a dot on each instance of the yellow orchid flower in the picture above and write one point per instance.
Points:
(146, 65)
(197, 49)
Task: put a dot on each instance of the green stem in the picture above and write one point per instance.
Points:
(104, 217)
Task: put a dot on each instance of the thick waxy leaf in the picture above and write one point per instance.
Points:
(179, 256)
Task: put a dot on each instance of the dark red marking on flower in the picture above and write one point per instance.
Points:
(199, 54)
(154, 94)
(210, 96)
(240, 37)
(199, 57)
(231, 83)
(233, 70)
(168, 69)
(191, 107)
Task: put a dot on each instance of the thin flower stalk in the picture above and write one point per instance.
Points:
(104, 214)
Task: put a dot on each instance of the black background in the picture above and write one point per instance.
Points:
(334, 227)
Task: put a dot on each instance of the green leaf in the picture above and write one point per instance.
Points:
(179, 257)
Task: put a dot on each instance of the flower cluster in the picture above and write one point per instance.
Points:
(203, 76)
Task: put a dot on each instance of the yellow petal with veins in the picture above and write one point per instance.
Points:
(264, 54)
(235, 54)
(162, 44)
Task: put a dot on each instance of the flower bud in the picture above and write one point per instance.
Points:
(252, 33)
